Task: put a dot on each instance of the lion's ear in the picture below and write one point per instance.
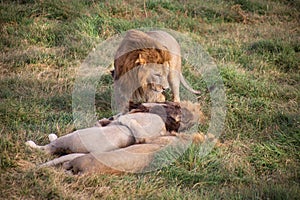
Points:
(140, 60)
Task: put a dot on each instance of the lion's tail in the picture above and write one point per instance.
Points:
(187, 86)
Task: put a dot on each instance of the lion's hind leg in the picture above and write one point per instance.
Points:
(33, 145)
(46, 148)
(62, 159)
(52, 137)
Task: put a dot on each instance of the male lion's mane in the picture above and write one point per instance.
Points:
(127, 61)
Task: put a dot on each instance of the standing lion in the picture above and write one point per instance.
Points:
(145, 64)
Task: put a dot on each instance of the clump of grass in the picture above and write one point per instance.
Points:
(206, 11)
(265, 46)
(252, 6)
(284, 56)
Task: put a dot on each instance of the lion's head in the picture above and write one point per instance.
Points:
(191, 115)
(143, 83)
(154, 77)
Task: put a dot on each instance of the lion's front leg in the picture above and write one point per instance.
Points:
(174, 81)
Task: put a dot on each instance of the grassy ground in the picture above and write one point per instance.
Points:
(255, 45)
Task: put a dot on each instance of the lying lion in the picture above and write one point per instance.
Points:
(128, 143)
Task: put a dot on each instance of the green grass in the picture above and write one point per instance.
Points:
(43, 43)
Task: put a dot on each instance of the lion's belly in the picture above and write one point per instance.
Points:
(102, 139)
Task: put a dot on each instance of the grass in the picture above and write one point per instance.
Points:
(255, 45)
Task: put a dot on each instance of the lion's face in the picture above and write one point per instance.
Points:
(154, 76)
(191, 115)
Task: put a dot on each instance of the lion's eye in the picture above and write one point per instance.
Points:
(158, 75)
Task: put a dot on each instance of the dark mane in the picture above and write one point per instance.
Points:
(177, 116)
(170, 112)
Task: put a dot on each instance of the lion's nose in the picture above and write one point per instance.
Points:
(164, 88)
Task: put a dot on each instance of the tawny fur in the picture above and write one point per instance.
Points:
(156, 47)
(126, 144)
